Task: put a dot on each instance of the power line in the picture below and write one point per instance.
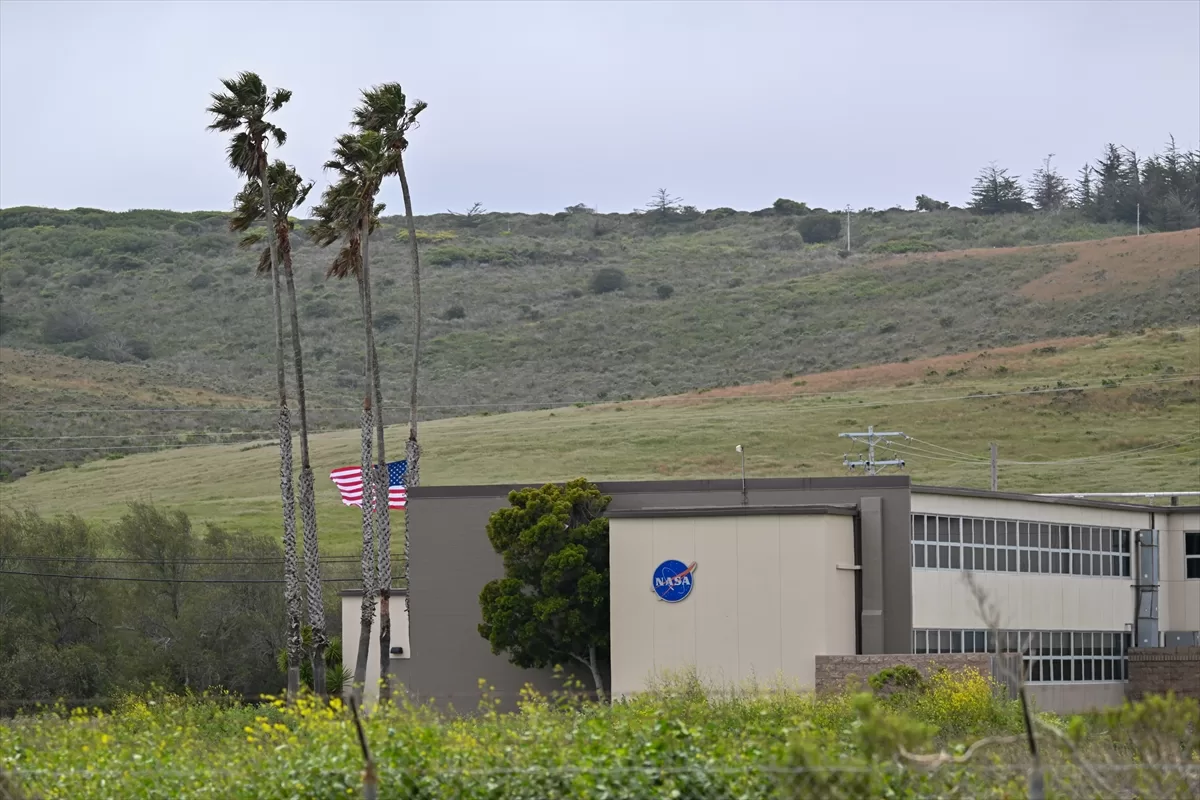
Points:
(165, 580)
(181, 562)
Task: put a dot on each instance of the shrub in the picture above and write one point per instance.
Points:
(789, 208)
(723, 212)
(897, 246)
(455, 311)
(123, 262)
(817, 228)
(68, 324)
(316, 309)
(664, 291)
(386, 320)
(608, 279)
(201, 280)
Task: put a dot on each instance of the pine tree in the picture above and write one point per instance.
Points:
(996, 192)
(1048, 189)
(1085, 195)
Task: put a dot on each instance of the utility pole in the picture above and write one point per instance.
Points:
(870, 439)
(741, 451)
(1139, 219)
(847, 227)
(995, 468)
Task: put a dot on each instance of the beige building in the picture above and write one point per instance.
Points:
(750, 583)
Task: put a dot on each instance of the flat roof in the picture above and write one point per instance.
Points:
(1086, 502)
(698, 485)
(734, 511)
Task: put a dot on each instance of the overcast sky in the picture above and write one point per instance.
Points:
(536, 106)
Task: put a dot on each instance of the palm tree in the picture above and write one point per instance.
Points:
(348, 212)
(385, 111)
(289, 192)
(242, 109)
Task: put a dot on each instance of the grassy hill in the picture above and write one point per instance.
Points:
(171, 301)
(1078, 414)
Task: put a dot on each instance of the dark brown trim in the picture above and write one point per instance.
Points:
(706, 485)
(358, 592)
(734, 511)
(955, 491)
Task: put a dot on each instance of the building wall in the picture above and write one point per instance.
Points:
(1179, 597)
(452, 560)
(942, 599)
(768, 596)
(352, 627)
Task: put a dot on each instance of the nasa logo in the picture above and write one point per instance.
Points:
(673, 580)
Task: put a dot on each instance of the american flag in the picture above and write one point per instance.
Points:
(350, 484)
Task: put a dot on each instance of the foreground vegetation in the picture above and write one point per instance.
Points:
(676, 741)
(149, 599)
(1110, 401)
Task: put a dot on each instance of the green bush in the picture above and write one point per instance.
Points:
(664, 291)
(897, 246)
(608, 279)
(455, 311)
(818, 228)
(68, 324)
(789, 208)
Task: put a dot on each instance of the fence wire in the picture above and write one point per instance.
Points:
(698, 781)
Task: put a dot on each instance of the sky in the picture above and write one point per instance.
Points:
(537, 106)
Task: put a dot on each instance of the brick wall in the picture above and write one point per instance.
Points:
(1155, 670)
(837, 673)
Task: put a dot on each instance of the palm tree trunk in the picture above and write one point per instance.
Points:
(308, 504)
(383, 539)
(291, 580)
(367, 609)
(372, 513)
(413, 448)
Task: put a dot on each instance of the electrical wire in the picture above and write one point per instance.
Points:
(165, 580)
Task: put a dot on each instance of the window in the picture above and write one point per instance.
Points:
(1021, 546)
(1049, 656)
(1191, 549)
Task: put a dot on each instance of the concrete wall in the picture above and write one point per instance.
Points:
(1075, 698)
(836, 673)
(452, 560)
(941, 599)
(768, 596)
(351, 628)
(1157, 670)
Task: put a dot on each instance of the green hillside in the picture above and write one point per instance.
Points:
(1107, 413)
(512, 322)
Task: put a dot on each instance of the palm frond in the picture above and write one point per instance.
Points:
(253, 238)
(264, 261)
(279, 98)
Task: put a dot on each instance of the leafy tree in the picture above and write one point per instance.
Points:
(242, 109)
(608, 279)
(789, 208)
(927, 203)
(552, 603)
(385, 111)
(289, 191)
(996, 192)
(817, 228)
(1048, 189)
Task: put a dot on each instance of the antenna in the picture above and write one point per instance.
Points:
(870, 439)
